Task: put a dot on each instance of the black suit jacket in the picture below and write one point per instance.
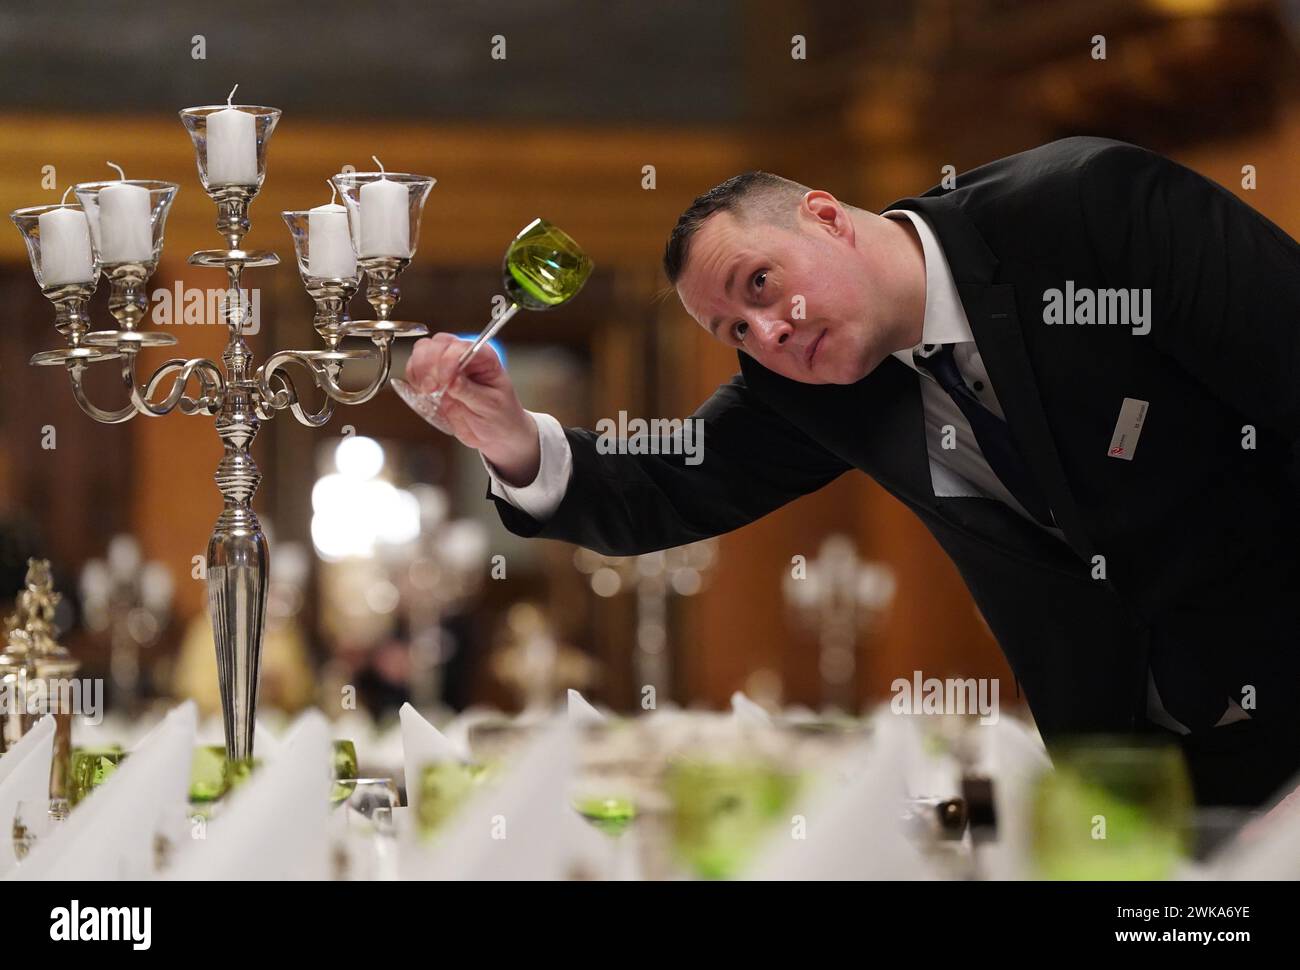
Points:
(1197, 534)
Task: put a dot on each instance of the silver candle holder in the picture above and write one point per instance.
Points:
(238, 395)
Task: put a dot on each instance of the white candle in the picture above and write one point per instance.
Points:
(232, 148)
(329, 246)
(65, 247)
(125, 226)
(385, 216)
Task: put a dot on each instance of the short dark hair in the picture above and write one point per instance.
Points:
(734, 195)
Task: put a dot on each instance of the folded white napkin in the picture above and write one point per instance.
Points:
(851, 827)
(25, 779)
(424, 745)
(746, 711)
(1268, 848)
(274, 825)
(124, 828)
(519, 827)
(580, 710)
(1013, 756)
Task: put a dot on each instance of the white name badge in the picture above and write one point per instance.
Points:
(1125, 440)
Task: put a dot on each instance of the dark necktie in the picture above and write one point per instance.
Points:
(991, 433)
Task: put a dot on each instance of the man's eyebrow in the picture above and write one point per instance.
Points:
(731, 278)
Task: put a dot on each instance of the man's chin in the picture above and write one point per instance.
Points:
(840, 374)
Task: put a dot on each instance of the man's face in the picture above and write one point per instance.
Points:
(797, 299)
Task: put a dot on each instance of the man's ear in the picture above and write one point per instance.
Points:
(827, 214)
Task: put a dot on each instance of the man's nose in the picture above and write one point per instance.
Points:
(772, 332)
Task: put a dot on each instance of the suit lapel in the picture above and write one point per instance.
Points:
(1002, 347)
(991, 309)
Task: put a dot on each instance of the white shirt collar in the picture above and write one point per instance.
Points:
(945, 319)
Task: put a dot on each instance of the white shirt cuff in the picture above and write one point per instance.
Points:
(542, 496)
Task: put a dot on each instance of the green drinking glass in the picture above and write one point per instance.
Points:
(208, 776)
(721, 811)
(1113, 809)
(444, 787)
(345, 772)
(543, 268)
(91, 767)
(609, 815)
(213, 775)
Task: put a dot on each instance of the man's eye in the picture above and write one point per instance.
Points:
(759, 279)
(739, 330)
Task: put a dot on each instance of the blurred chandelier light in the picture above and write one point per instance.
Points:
(354, 511)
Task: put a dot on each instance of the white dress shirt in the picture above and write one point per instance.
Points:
(955, 472)
(960, 470)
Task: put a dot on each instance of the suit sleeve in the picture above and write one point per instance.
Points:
(1224, 280)
(750, 461)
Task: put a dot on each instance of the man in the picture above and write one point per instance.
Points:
(1079, 366)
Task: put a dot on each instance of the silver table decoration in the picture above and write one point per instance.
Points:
(236, 393)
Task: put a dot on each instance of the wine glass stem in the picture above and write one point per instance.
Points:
(488, 333)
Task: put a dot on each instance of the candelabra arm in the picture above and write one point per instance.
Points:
(327, 379)
(272, 399)
(211, 384)
(325, 367)
(75, 370)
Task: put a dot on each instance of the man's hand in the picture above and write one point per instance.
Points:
(480, 407)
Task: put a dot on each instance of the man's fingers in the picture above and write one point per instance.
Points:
(419, 366)
(425, 359)
(449, 352)
(455, 415)
(480, 399)
(483, 367)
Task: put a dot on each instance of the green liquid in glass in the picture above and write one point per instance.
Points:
(345, 772)
(722, 811)
(91, 767)
(610, 815)
(1112, 811)
(212, 775)
(444, 787)
(208, 773)
(544, 267)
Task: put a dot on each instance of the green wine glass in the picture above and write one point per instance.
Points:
(543, 268)
(91, 767)
(609, 815)
(1113, 809)
(209, 779)
(443, 788)
(722, 810)
(345, 772)
(213, 775)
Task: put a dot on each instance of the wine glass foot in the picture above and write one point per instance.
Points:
(421, 403)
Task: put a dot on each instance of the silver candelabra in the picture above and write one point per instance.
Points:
(118, 230)
(654, 576)
(838, 594)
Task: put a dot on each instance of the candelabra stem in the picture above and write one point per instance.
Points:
(127, 300)
(71, 317)
(232, 213)
(238, 568)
